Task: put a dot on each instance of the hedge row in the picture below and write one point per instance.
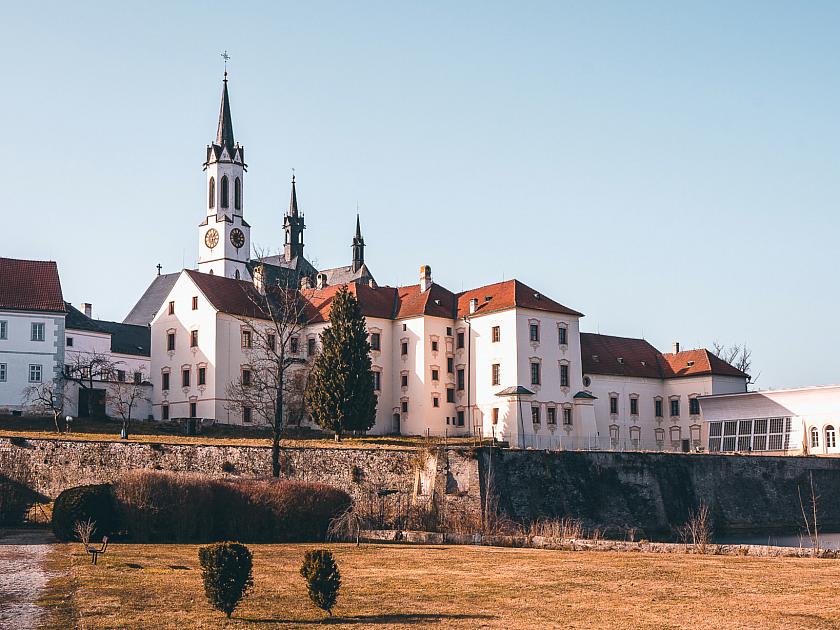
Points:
(152, 506)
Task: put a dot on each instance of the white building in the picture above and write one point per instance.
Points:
(502, 359)
(798, 421)
(31, 329)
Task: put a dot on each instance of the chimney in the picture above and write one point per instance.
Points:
(425, 277)
(259, 279)
(87, 309)
(676, 347)
(322, 281)
(371, 283)
(306, 282)
(473, 305)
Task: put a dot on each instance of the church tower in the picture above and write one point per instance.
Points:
(224, 238)
(358, 248)
(293, 226)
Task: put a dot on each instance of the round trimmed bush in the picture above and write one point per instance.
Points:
(227, 572)
(94, 502)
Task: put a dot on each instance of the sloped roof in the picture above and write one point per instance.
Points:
(509, 294)
(374, 301)
(344, 275)
(435, 302)
(627, 356)
(125, 338)
(30, 285)
(150, 302)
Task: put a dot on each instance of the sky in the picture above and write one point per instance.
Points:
(668, 169)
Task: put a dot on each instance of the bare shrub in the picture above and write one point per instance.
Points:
(84, 530)
(347, 526)
(697, 531)
(809, 516)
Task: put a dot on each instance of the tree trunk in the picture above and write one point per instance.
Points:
(55, 419)
(338, 436)
(278, 426)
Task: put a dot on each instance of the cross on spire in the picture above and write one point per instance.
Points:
(226, 57)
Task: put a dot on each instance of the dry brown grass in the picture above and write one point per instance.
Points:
(159, 586)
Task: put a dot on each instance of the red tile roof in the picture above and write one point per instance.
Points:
(374, 301)
(435, 302)
(626, 356)
(509, 294)
(30, 285)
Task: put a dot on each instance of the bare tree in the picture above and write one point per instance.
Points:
(125, 395)
(738, 356)
(47, 397)
(809, 515)
(271, 384)
(86, 368)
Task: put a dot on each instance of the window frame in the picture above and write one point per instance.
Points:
(38, 331)
(4, 372)
(36, 373)
(496, 334)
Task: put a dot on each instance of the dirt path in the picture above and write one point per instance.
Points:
(22, 576)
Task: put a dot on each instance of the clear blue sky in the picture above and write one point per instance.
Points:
(669, 170)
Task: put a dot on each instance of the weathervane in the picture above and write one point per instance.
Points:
(225, 56)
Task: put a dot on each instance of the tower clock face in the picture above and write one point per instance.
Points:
(211, 238)
(237, 238)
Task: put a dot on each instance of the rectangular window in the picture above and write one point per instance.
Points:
(405, 406)
(69, 342)
(310, 347)
(449, 331)
(450, 365)
(293, 345)
(460, 340)
(377, 381)
(3, 372)
(694, 406)
(172, 308)
(193, 410)
(564, 375)
(675, 407)
(170, 342)
(496, 334)
(634, 406)
(375, 341)
(37, 331)
(495, 415)
(535, 373)
(404, 348)
(567, 416)
(195, 303)
(403, 380)
(164, 412)
(563, 335)
(138, 378)
(246, 339)
(121, 376)
(551, 415)
(271, 341)
(202, 376)
(4, 329)
(193, 339)
(657, 408)
(164, 381)
(434, 346)
(246, 377)
(435, 374)
(450, 394)
(534, 332)
(535, 415)
(495, 374)
(460, 379)
(435, 401)
(185, 377)
(613, 405)
(34, 373)
(246, 415)
(460, 418)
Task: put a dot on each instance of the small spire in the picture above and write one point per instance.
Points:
(293, 207)
(224, 133)
(358, 227)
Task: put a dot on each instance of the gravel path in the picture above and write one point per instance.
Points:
(22, 576)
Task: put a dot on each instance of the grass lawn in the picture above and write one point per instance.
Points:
(219, 435)
(159, 586)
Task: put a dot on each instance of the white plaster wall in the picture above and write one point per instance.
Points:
(18, 352)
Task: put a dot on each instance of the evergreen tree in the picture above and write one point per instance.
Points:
(339, 395)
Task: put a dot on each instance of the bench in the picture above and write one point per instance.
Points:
(95, 551)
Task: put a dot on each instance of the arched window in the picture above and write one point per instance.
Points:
(236, 275)
(224, 191)
(830, 437)
(815, 437)
(212, 193)
(237, 194)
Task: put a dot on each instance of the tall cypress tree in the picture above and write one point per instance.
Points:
(339, 395)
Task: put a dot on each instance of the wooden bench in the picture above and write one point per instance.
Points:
(95, 551)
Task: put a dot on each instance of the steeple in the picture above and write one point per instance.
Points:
(224, 133)
(293, 226)
(358, 247)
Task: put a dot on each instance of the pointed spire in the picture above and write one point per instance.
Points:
(293, 207)
(224, 134)
(358, 228)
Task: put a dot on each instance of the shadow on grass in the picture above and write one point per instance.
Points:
(404, 618)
